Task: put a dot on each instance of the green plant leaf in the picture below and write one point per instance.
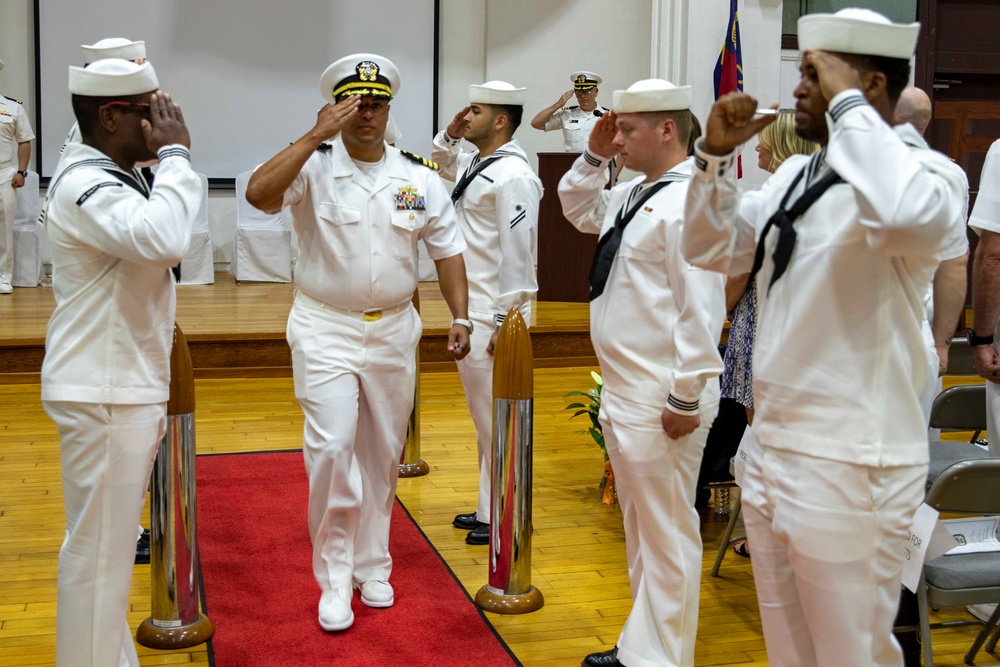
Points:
(574, 393)
(574, 406)
(579, 412)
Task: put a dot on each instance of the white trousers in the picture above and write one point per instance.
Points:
(827, 541)
(355, 382)
(993, 417)
(8, 209)
(476, 373)
(656, 479)
(107, 455)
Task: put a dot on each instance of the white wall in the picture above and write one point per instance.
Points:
(533, 44)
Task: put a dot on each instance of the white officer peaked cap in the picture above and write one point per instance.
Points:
(652, 95)
(584, 80)
(111, 77)
(860, 31)
(498, 92)
(364, 74)
(113, 47)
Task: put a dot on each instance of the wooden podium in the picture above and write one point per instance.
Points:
(564, 254)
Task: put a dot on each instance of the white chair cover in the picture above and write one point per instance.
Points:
(198, 265)
(29, 236)
(263, 245)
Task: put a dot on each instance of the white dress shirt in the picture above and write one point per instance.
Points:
(110, 335)
(358, 241)
(499, 216)
(656, 327)
(576, 125)
(840, 356)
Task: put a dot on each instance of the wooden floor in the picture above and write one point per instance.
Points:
(578, 558)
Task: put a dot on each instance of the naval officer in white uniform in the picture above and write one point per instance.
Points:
(15, 153)
(576, 121)
(359, 208)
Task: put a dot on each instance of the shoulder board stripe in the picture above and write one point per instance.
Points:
(420, 160)
(14, 100)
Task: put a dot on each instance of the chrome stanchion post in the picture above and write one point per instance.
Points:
(410, 463)
(175, 621)
(509, 590)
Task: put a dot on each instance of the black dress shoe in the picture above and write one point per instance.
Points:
(467, 521)
(607, 658)
(142, 549)
(479, 535)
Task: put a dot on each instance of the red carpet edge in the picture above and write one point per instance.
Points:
(426, 542)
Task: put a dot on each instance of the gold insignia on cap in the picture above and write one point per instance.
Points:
(367, 70)
(582, 78)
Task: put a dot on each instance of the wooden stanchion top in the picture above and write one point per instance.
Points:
(181, 400)
(513, 365)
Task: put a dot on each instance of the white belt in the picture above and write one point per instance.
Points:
(367, 315)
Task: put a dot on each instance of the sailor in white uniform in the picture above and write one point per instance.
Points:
(496, 198)
(843, 245)
(106, 375)
(655, 322)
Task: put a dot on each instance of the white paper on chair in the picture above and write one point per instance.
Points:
(926, 540)
(974, 536)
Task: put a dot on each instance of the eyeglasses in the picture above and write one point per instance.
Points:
(142, 106)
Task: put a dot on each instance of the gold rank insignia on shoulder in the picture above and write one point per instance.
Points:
(409, 199)
(13, 100)
(325, 146)
(647, 209)
(420, 160)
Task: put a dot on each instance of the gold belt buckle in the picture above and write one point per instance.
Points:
(373, 315)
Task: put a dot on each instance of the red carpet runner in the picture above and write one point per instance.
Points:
(261, 594)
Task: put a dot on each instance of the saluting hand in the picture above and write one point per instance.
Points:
(835, 74)
(457, 126)
(165, 125)
(565, 97)
(602, 137)
(732, 123)
(332, 118)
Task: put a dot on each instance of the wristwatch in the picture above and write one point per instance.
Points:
(468, 323)
(23, 173)
(976, 341)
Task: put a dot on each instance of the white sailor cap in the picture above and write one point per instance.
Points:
(497, 92)
(652, 95)
(584, 80)
(111, 77)
(860, 31)
(113, 47)
(364, 74)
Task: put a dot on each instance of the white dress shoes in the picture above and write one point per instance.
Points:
(335, 609)
(377, 593)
